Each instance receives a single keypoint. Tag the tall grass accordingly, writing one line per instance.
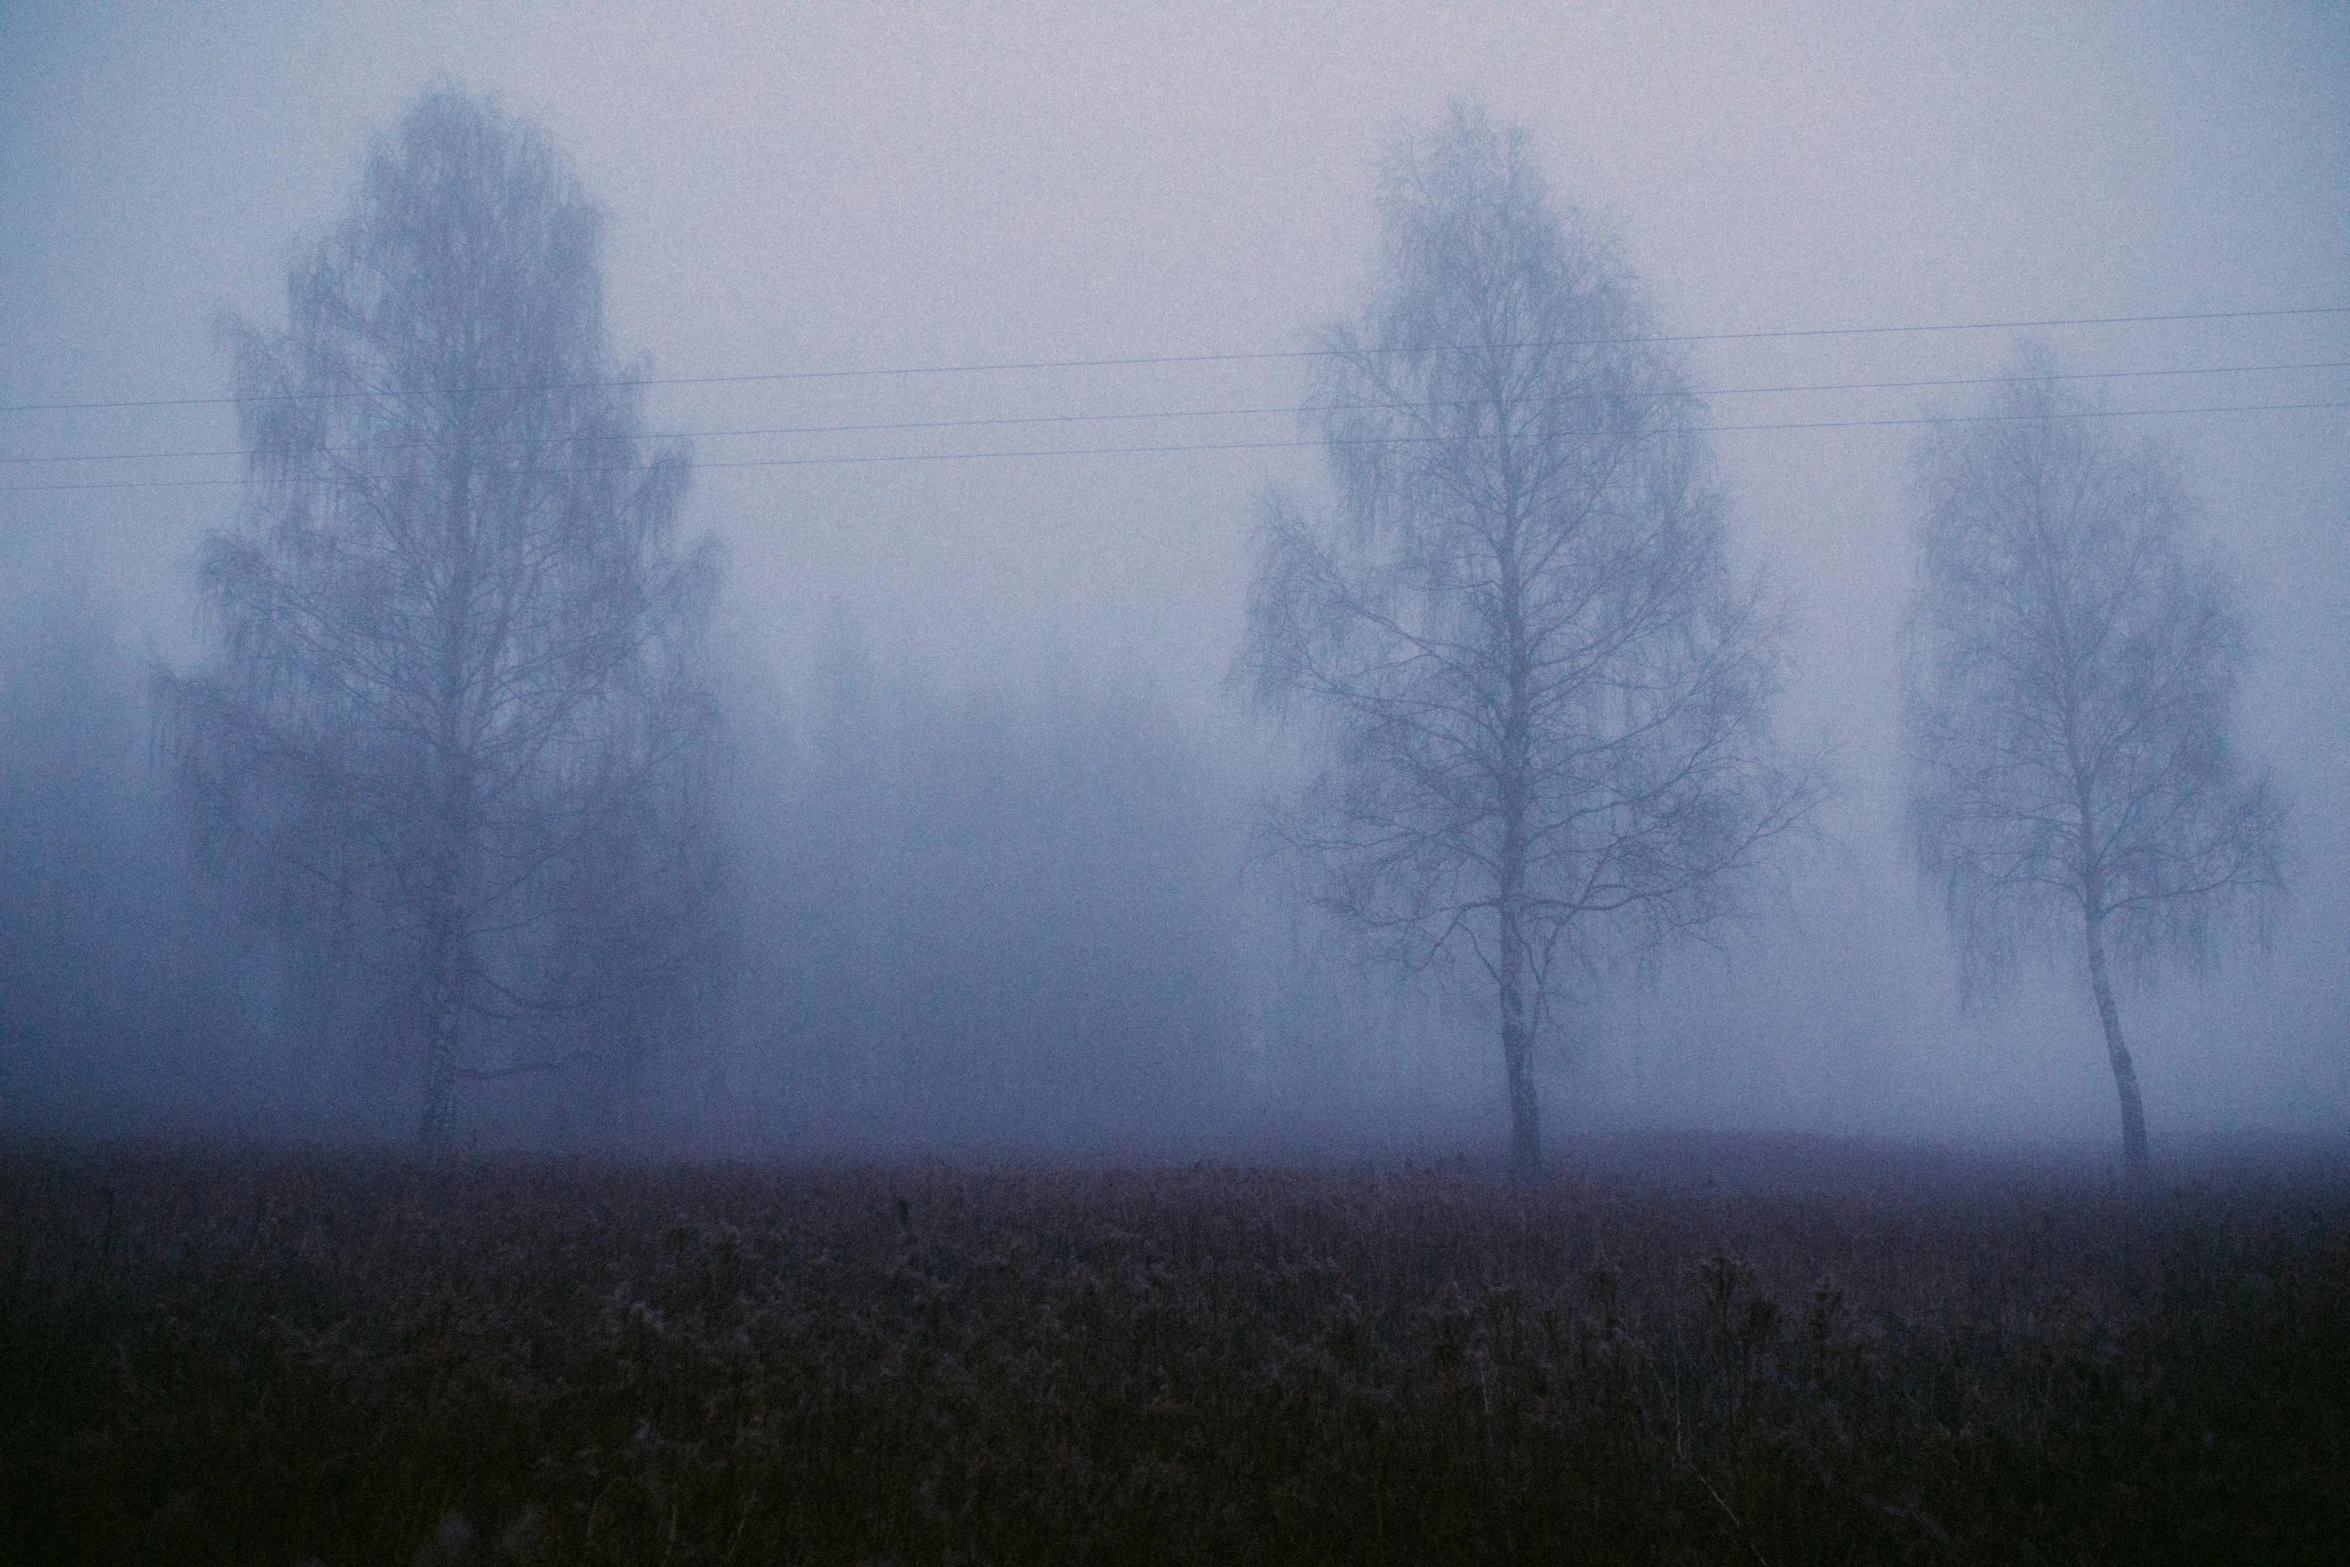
(212, 1355)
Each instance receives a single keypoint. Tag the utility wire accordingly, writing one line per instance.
(1293, 410)
(1220, 358)
(1250, 446)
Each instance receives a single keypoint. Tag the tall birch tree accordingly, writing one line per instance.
(1535, 692)
(456, 695)
(2070, 702)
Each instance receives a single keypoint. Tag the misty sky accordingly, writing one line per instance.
(890, 187)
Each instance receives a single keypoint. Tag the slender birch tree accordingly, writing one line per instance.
(1535, 691)
(457, 692)
(2070, 696)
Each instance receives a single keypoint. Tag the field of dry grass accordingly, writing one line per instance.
(273, 1357)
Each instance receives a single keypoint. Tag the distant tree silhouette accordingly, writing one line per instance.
(2070, 690)
(457, 690)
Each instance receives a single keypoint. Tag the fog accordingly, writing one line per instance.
(990, 802)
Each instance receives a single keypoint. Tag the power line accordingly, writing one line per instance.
(1247, 446)
(1136, 361)
(1291, 409)
(2085, 413)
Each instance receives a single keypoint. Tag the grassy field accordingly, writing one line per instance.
(273, 1357)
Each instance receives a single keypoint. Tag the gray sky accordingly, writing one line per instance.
(879, 187)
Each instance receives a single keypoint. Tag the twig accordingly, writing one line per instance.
(1735, 1521)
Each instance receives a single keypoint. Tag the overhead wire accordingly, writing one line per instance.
(1288, 409)
(903, 426)
(1240, 446)
(1777, 334)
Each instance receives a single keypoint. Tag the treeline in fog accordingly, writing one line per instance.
(1005, 916)
(464, 824)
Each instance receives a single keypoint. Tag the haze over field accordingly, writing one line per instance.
(985, 327)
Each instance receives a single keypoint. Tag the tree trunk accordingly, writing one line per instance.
(1517, 1050)
(1517, 1033)
(2125, 1074)
(447, 956)
(447, 961)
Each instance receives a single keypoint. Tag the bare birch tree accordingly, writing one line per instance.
(1538, 690)
(457, 688)
(2070, 689)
